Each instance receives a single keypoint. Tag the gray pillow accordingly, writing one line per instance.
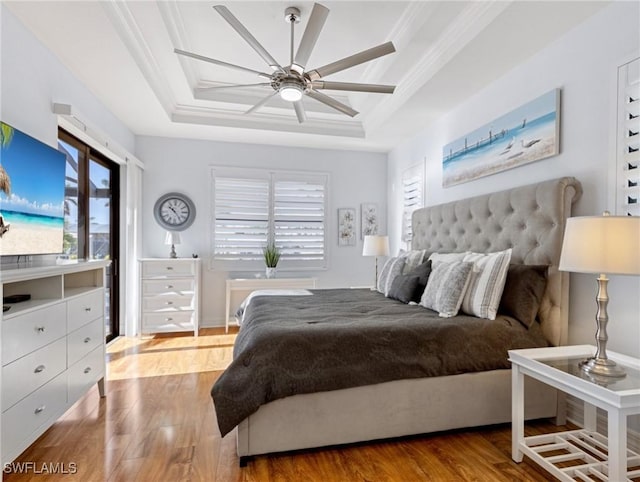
(404, 288)
(422, 272)
(446, 287)
(523, 292)
(391, 269)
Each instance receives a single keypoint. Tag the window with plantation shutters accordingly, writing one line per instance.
(628, 140)
(412, 198)
(253, 208)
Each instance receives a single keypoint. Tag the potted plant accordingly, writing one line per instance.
(271, 257)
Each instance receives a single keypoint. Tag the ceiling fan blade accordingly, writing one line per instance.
(300, 113)
(331, 102)
(318, 16)
(352, 61)
(231, 86)
(246, 35)
(261, 103)
(221, 63)
(353, 87)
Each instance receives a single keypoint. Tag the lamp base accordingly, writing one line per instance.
(602, 367)
(173, 254)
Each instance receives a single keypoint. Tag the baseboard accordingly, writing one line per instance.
(575, 415)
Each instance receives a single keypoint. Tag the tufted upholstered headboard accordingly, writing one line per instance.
(530, 219)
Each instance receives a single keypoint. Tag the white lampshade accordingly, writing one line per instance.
(376, 246)
(172, 237)
(602, 244)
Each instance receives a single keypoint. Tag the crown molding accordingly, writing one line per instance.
(475, 18)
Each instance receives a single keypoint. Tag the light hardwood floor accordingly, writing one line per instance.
(157, 423)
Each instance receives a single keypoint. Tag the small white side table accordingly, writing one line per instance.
(252, 284)
(589, 451)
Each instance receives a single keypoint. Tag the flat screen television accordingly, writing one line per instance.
(32, 183)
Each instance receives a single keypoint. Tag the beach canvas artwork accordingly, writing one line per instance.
(526, 134)
(31, 195)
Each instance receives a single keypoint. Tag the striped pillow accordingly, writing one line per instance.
(413, 259)
(391, 269)
(446, 287)
(487, 283)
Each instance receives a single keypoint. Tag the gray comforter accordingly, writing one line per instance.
(346, 338)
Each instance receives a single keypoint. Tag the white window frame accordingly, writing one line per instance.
(272, 176)
(412, 179)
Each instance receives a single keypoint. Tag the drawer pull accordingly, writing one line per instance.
(87, 339)
(87, 370)
(168, 319)
(40, 329)
(40, 409)
(169, 302)
(169, 287)
(170, 268)
(39, 369)
(87, 309)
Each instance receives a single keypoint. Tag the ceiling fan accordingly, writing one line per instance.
(294, 81)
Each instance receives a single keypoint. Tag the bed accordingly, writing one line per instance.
(529, 220)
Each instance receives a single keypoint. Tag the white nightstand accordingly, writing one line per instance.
(589, 451)
(170, 295)
(252, 284)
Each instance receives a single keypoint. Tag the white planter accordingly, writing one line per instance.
(271, 273)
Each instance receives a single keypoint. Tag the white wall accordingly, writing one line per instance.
(583, 64)
(185, 166)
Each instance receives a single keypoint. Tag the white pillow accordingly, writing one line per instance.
(437, 258)
(487, 283)
(391, 269)
(446, 287)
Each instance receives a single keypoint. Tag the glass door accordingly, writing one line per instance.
(92, 215)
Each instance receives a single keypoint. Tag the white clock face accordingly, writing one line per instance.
(174, 211)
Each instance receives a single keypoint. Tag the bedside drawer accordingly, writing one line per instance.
(30, 372)
(167, 303)
(85, 372)
(166, 268)
(166, 322)
(84, 339)
(26, 333)
(173, 286)
(42, 406)
(85, 308)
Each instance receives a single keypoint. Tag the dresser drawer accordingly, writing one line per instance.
(41, 407)
(26, 333)
(84, 339)
(168, 286)
(85, 372)
(167, 303)
(167, 268)
(167, 322)
(30, 372)
(85, 308)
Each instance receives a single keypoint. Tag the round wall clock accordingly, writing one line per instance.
(174, 211)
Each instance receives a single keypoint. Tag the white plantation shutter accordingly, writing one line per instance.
(241, 218)
(628, 156)
(299, 218)
(412, 198)
(254, 207)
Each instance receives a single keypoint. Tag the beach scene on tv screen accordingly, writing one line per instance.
(31, 195)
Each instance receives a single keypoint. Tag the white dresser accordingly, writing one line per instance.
(53, 347)
(170, 295)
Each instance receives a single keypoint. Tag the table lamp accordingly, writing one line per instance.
(376, 246)
(602, 244)
(171, 239)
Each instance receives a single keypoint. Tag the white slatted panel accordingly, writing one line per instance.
(412, 198)
(628, 165)
(241, 218)
(299, 218)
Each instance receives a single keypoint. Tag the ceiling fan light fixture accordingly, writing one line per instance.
(290, 91)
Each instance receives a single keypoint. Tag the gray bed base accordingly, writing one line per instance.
(529, 219)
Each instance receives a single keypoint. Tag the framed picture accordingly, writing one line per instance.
(526, 134)
(346, 227)
(368, 219)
